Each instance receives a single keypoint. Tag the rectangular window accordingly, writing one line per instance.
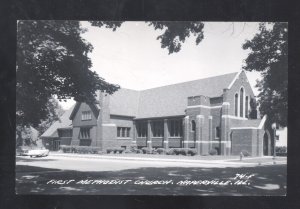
(175, 128)
(142, 129)
(84, 133)
(86, 115)
(158, 128)
(123, 132)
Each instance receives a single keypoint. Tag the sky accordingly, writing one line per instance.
(132, 57)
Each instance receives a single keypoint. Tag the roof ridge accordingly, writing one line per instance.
(190, 81)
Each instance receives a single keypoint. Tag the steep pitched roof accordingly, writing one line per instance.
(94, 107)
(171, 100)
(124, 102)
(64, 122)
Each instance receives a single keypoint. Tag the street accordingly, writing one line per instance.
(69, 175)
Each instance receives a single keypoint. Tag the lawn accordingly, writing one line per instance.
(267, 180)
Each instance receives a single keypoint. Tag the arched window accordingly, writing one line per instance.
(193, 125)
(218, 132)
(236, 101)
(242, 102)
(246, 107)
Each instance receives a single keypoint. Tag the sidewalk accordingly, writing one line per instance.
(266, 160)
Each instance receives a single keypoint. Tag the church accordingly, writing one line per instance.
(205, 114)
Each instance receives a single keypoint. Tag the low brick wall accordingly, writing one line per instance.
(141, 142)
(157, 142)
(116, 143)
(175, 142)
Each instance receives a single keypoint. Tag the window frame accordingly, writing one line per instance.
(175, 128)
(86, 115)
(142, 129)
(157, 128)
(85, 133)
(123, 132)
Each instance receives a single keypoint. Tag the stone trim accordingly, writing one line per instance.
(262, 122)
(236, 128)
(204, 106)
(235, 78)
(234, 117)
(108, 124)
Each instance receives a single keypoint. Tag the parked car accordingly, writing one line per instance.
(21, 150)
(32, 152)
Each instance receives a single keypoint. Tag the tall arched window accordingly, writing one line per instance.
(242, 102)
(236, 101)
(193, 125)
(246, 107)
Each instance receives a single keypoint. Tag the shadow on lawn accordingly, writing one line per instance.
(268, 180)
(32, 159)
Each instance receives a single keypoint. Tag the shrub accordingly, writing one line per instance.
(192, 152)
(281, 149)
(139, 151)
(245, 153)
(213, 152)
(170, 152)
(66, 148)
(160, 150)
(147, 150)
(177, 151)
(133, 148)
(115, 150)
(81, 149)
(181, 151)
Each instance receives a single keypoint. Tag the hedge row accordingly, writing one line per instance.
(171, 151)
(115, 150)
(281, 151)
(80, 149)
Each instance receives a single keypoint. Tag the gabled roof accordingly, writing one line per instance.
(64, 122)
(94, 107)
(171, 100)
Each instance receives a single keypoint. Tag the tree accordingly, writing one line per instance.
(174, 32)
(54, 110)
(253, 109)
(269, 56)
(52, 60)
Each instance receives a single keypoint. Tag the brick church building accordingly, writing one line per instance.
(210, 113)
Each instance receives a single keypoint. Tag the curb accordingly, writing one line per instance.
(164, 160)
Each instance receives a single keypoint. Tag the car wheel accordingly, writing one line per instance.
(30, 155)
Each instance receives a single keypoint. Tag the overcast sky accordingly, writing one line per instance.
(133, 58)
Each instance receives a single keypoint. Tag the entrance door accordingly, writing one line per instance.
(265, 144)
(56, 144)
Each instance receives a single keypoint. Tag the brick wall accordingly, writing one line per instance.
(242, 139)
(241, 81)
(77, 118)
